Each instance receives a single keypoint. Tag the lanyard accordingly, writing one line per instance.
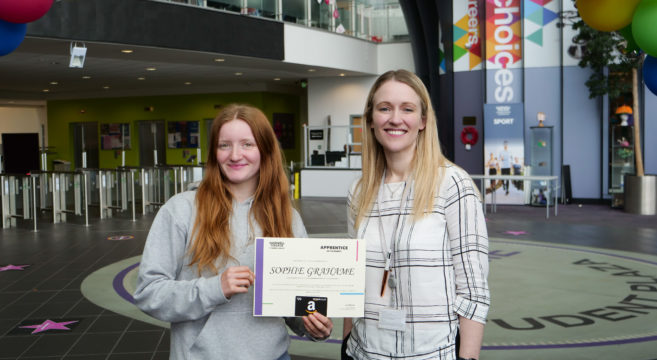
(387, 252)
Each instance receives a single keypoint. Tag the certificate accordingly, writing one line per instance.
(299, 276)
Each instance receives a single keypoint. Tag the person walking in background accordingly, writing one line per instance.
(196, 269)
(505, 165)
(427, 244)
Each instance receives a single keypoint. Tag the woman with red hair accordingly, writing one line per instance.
(196, 270)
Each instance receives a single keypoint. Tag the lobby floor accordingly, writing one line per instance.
(51, 265)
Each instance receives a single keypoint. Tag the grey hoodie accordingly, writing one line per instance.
(204, 324)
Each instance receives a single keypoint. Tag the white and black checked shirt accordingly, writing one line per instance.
(441, 267)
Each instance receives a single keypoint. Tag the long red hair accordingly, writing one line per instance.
(271, 208)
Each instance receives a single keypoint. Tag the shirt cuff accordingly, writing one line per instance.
(472, 310)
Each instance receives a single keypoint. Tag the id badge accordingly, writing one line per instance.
(392, 319)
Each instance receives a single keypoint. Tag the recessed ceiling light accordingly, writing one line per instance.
(12, 102)
(106, 87)
(238, 74)
(187, 83)
(141, 78)
(45, 90)
(151, 69)
(126, 51)
(277, 79)
(311, 70)
(341, 74)
(219, 60)
(86, 77)
(54, 83)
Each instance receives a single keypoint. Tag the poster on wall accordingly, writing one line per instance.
(115, 136)
(504, 151)
(504, 76)
(542, 35)
(467, 35)
(183, 134)
(503, 34)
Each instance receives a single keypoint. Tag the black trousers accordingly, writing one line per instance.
(343, 350)
(505, 183)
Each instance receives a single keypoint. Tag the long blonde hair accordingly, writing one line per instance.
(271, 208)
(427, 163)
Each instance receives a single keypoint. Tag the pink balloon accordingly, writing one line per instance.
(23, 11)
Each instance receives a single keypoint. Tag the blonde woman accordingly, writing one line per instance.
(196, 270)
(427, 244)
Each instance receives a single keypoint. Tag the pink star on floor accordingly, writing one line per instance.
(48, 325)
(13, 267)
(516, 233)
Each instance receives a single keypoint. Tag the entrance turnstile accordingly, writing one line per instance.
(158, 184)
(18, 199)
(69, 195)
(117, 191)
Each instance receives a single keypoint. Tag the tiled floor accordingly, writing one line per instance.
(60, 256)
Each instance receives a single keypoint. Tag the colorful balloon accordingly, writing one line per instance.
(650, 73)
(11, 35)
(23, 11)
(644, 26)
(607, 15)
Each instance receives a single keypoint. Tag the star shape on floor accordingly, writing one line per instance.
(48, 325)
(13, 267)
(516, 233)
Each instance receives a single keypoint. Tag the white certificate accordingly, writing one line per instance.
(298, 276)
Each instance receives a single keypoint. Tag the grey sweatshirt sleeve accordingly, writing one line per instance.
(161, 291)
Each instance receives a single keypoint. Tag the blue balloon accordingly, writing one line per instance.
(11, 35)
(650, 73)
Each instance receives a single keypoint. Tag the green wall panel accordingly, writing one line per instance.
(62, 113)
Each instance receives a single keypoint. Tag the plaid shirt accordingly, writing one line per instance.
(441, 267)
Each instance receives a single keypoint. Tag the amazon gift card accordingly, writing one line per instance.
(305, 305)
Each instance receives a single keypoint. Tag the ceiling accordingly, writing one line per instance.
(38, 70)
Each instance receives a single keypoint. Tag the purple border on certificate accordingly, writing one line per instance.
(259, 254)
